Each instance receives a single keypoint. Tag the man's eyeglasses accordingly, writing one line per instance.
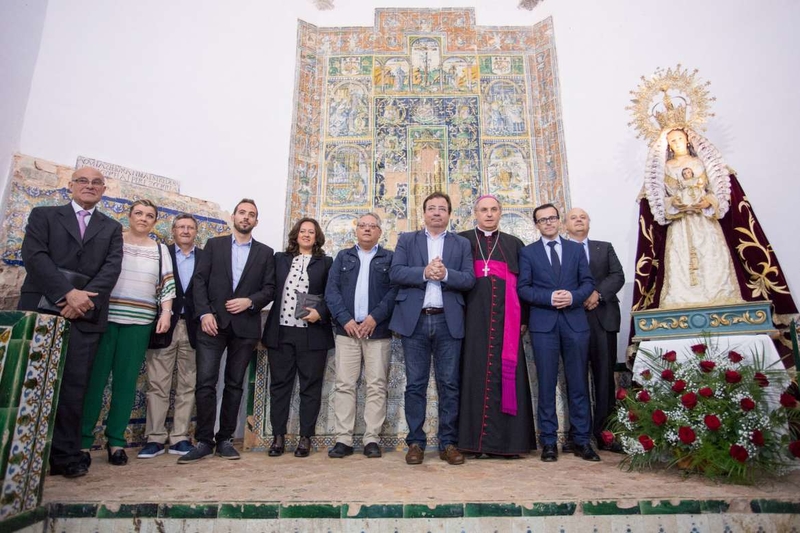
(547, 220)
(365, 225)
(83, 182)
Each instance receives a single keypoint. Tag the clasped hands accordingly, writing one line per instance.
(691, 208)
(360, 331)
(435, 271)
(561, 299)
(76, 304)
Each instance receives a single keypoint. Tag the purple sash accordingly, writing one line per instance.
(511, 332)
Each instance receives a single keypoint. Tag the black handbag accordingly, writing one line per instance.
(79, 281)
(159, 340)
(305, 300)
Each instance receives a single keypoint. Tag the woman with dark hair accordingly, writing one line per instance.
(145, 283)
(298, 343)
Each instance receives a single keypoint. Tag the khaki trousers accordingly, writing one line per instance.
(160, 366)
(349, 353)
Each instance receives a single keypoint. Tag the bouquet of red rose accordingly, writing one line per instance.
(712, 413)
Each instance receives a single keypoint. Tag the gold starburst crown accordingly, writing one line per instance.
(683, 103)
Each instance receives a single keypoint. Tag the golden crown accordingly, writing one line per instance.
(684, 102)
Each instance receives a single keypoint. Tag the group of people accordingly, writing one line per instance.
(460, 302)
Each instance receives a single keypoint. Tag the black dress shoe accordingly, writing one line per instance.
(278, 446)
(372, 450)
(117, 458)
(568, 446)
(303, 447)
(549, 453)
(340, 450)
(72, 470)
(586, 452)
(614, 447)
(86, 459)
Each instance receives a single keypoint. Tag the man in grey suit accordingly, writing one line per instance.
(79, 239)
(602, 311)
(432, 267)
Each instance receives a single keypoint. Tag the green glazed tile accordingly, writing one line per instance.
(550, 509)
(14, 368)
(665, 507)
(447, 510)
(10, 318)
(373, 511)
(714, 506)
(181, 510)
(775, 506)
(73, 510)
(608, 507)
(34, 517)
(310, 510)
(254, 511)
(128, 510)
(478, 510)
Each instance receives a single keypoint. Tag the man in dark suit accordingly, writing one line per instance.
(233, 281)
(179, 350)
(555, 280)
(602, 311)
(432, 267)
(75, 237)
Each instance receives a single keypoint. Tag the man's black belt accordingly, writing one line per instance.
(432, 310)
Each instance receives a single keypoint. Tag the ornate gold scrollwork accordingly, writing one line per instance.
(681, 322)
(760, 284)
(729, 319)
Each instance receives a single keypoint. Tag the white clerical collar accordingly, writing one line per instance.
(76, 208)
(487, 233)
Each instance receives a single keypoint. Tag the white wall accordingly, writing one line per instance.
(201, 91)
(21, 24)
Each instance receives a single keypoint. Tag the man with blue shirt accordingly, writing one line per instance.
(360, 298)
(181, 338)
(234, 279)
(432, 267)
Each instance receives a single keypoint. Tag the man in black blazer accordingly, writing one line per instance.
(78, 238)
(179, 349)
(234, 280)
(602, 311)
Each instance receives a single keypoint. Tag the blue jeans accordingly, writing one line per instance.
(432, 338)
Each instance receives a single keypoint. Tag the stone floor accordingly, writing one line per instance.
(356, 479)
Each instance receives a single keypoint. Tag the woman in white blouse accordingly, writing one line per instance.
(143, 285)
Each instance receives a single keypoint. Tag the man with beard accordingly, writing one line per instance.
(602, 311)
(496, 416)
(233, 281)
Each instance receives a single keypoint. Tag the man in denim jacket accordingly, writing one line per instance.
(361, 299)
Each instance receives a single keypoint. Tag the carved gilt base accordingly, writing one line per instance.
(737, 319)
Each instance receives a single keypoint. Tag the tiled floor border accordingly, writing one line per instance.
(278, 510)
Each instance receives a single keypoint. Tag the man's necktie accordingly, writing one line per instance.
(82, 221)
(555, 262)
(586, 249)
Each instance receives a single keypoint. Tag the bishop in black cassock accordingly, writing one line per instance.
(496, 415)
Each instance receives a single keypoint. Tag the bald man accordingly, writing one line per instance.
(602, 311)
(62, 242)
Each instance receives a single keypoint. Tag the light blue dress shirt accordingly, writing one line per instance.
(185, 264)
(362, 284)
(433, 289)
(239, 255)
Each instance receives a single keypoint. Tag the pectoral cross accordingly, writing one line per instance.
(485, 270)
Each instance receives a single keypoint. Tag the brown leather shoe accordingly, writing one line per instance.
(415, 455)
(451, 455)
